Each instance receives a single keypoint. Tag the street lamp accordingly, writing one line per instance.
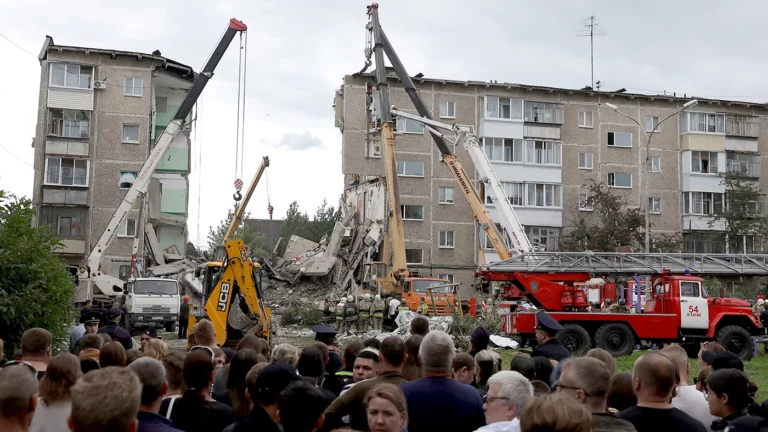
(648, 138)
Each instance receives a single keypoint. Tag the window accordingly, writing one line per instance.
(130, 133)
(66, 171)
(515, 193)
(69, 123)
(412, 212)
(703, 123)
(374, 149)
(704, 162)
(689, 289)
(67, 222)
(619, 139)
(69, 75)
(127, 228)
(414, 256)
(543, 152)
(747, 126)
(445, 239)
(652, 123)
(620, 180)
(585, 202)
(126, 179)
(543, 238)
(503, 149)
(133, 87)
(743, 164)
(654, 205)
(697, 242)
(585, 160)
(654, 164)
(503, 108)
(123, 271)
(544, 195)
(703, 203)
(448, 109)
(585, 119)
(448, 277)
(445, 195)
(409, 126)
(540, 112)
(410, 168)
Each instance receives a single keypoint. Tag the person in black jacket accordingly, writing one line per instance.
(546, 334)
(183, 318)
(729, 396)
(114, 330)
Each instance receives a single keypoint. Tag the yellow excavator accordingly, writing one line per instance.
(232, 295)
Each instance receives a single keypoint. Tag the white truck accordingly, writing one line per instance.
(151, 302)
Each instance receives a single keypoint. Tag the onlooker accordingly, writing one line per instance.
(653, 380)
(113, 329)
(234, 395)
(461, 406)
(264, 387)
(157, 349)
(729, 396)
(701, 379)
(36, 345)
(151, 374)
(87, 365)
(55, 400)
(488, 363)
(605, 357)
(328, 381)
(352, 402)
(105, 400)
(113, 354)
(89, 346)
(184, 317)
(713, 347)
(393, 304)
(540, 388)
(196, 410)
(205, 334)
(147, 336)
(372, 343)
(464, 368)
(586, 380)
(366, 365)
(174, 376)
(412, 369)
(105, 337)
(219, 358)
(420, 326)
(478, 341)
(688, 399)
(327, 335)
(524, 365)
(543, 369)
(249, 341)
(132, 355)
(300, 407)
(18, 396)
(621, 395)
(285, 353)
(351, 351)
(508, 393)
(386, 409)
(555, 413)
(723, 360)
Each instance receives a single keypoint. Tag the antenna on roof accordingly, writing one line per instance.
(593, 29)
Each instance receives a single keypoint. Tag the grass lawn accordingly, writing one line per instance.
(756, 369)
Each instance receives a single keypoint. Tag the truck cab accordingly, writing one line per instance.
(416, 288)
(151, 302)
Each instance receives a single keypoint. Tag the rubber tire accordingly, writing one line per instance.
(729, 332)
(171, 327)
(575, 330)
(605, 331)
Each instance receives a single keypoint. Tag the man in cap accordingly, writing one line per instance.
(327, 335)
(148, 335)
(724, 360)
(350, 313)
(478, 341)
(183, 318)
(89, 321)
(262, 391)
(378, 312)
(114, 330)
(546, 332)
(364, 313)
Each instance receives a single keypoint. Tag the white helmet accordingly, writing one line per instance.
(367, 296)
(378, 297)
(350, 298)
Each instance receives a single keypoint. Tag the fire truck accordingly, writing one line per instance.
(677, 308)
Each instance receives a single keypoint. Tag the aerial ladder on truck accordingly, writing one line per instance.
(91, 270)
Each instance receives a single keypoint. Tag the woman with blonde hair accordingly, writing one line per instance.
(556, 413)
(55, 402)
(605, 357)
(488, 363)
(386, 409)
(156, 348)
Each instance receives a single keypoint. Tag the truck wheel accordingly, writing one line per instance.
(616, 338)
(737, 340)
(575, 339)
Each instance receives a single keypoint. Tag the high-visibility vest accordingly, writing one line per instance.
(423, 308)
(403, 307)
(365, 309)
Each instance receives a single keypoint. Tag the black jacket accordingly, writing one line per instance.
(118, 334)
(257, 420)
(551, 349)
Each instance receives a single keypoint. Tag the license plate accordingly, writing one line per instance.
(157, 318)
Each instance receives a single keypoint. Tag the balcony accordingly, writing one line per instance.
(742, 126)
(743, 164)
(541, 112)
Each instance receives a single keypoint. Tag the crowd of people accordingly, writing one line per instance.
(418, 384)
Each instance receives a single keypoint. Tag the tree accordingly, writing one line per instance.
(36, 288)
(612, 224)
(297, 222)
(252, 239)
(743, 213)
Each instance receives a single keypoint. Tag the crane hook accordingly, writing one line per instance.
(237, 196)
(238, 187)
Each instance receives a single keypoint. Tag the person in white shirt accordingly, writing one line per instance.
(393, 304)
(508, 393)
(688, 399)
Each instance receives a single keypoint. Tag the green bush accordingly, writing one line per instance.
(466, 324)
(305, 314)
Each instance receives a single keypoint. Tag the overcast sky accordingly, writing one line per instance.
(299, 51)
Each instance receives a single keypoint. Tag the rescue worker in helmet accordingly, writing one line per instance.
(364, 313)
(423, 308)
(340, 316)
(350, 313)
(378, 312)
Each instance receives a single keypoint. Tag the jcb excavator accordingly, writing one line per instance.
(234, 276)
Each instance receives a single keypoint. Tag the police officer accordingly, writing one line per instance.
(423, 308)
(147, 336)
(546, 332)
(340, 316)
(350, 313)
(114, 330)
(364, 313)
(90, 320)
(378, 312)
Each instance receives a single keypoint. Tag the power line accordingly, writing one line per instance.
(17, 45)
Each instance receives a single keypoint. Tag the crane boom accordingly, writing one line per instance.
(91, 269)
(237, 219)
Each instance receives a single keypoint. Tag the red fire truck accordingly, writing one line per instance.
(678, 307)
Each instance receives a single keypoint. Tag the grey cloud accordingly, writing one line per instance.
(305, 141)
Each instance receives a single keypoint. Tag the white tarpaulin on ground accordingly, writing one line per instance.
(503, 342)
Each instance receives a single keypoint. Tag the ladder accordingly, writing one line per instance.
(630, 264)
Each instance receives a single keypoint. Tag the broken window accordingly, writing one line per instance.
(69, 123)
(619, 139)
(412, 212)
(620, 180)
(67, 222)
(126, 179)
(414, 256)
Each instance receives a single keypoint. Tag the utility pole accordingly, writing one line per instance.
(593, 29)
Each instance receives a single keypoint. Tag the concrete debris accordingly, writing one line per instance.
(154, 244)
(298, 246)
(171, 250)
(169, 269)
(169, 258)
